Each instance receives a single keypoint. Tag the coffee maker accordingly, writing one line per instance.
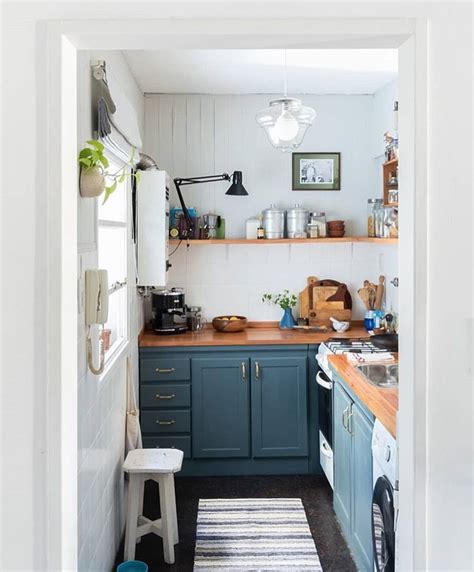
(169, 312)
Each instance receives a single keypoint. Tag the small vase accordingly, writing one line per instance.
(287, 321)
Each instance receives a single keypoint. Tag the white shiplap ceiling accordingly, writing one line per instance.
(261, 71)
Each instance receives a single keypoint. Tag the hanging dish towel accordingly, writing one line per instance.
(133, 436)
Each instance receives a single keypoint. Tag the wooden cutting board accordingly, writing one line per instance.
(306, 297)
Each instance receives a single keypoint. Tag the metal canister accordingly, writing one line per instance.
(297, 222)
(274, 222)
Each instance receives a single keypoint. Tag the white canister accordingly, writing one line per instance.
(251, 228)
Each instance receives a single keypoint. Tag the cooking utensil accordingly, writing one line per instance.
(380, 291)
(329, 282)
(387, 342)
(364, 296)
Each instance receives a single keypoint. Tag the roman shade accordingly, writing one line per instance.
(117, 125)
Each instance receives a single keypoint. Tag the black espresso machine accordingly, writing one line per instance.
(169, 312)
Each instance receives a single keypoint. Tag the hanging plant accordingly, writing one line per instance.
(94, 171)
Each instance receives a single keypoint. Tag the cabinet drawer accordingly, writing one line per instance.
(166, 421)
(171, 442)
(165, 395)
(165, 369)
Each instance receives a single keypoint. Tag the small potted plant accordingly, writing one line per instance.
(286, 301)
(94, 173)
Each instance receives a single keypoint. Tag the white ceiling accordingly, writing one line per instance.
(262, 71)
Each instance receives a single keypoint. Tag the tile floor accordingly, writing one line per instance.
(313, 490)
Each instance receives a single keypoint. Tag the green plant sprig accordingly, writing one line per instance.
(93, 157)
(284, 299)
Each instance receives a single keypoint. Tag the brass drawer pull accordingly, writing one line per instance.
(172, 422)
(159, 396)
(243, 371)
(165, 370)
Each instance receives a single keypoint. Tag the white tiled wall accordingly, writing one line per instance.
(230, 279)
(101, 399)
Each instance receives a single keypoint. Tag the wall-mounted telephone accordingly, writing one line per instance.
(97, 311)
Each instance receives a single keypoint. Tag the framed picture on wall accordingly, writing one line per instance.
(316, 172)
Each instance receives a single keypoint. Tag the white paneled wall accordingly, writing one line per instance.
(204, 134)
(101, 399)
(230, 279)
(194, 135)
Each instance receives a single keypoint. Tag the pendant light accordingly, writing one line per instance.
(285, 120)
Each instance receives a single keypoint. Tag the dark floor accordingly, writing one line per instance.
(314, 491)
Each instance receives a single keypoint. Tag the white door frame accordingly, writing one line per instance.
(60, 179)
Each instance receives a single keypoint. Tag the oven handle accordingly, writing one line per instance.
(322, 382)
(326, 451)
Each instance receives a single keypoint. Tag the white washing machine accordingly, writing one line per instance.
(384, 498)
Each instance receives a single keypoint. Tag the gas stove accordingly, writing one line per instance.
(343, 346)
(354, 345)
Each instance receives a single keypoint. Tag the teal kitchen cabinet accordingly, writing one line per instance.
(220, 397)
(361, 428)
(353, 474)
(342, 457)
(233, 410)
(279, 407)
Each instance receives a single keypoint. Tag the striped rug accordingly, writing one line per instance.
(254, 534)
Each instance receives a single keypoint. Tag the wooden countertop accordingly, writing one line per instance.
(380, 401)
(252, 336)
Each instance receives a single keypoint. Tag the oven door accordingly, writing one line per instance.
(325, 405)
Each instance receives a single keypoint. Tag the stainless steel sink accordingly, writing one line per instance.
(381, 375)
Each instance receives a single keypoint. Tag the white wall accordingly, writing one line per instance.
(204, 134)
(101, 399)
(192, 135)
(448, 487)
(382, 120)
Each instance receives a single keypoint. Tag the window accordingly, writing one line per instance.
(113, 256)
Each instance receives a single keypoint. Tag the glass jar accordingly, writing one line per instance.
(371, 218)
(317, 220)
(379, 218)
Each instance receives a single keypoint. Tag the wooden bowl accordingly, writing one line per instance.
(226, 325)
(336, 224)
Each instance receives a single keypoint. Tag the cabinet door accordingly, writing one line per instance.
(220, 407)
(279, 407)
(342, 404)
(361, 429)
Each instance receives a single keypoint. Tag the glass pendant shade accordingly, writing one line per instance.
(285, 122)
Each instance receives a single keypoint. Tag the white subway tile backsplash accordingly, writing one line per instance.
(234, 280)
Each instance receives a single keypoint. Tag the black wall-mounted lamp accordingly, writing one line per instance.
(236, 189)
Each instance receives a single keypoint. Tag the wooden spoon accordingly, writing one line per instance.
(364, 296)
(380, 291)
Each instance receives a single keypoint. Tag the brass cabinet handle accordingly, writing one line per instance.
(257, 371)
(159, 396)
(172, 422)
(165, 370)
(243, 371)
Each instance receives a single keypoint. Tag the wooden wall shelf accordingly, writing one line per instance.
(206, 242)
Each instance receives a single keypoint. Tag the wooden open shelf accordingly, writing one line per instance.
(388, 167)
(326, 240)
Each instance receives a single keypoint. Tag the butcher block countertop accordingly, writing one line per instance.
(382, 402)
(254, 335)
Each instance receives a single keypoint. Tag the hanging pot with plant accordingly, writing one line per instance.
(94, 174)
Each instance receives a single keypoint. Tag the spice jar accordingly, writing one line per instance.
(317, 220)
(371, 218)
(379, 218)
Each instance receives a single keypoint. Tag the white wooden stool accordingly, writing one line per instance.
(158, 465)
